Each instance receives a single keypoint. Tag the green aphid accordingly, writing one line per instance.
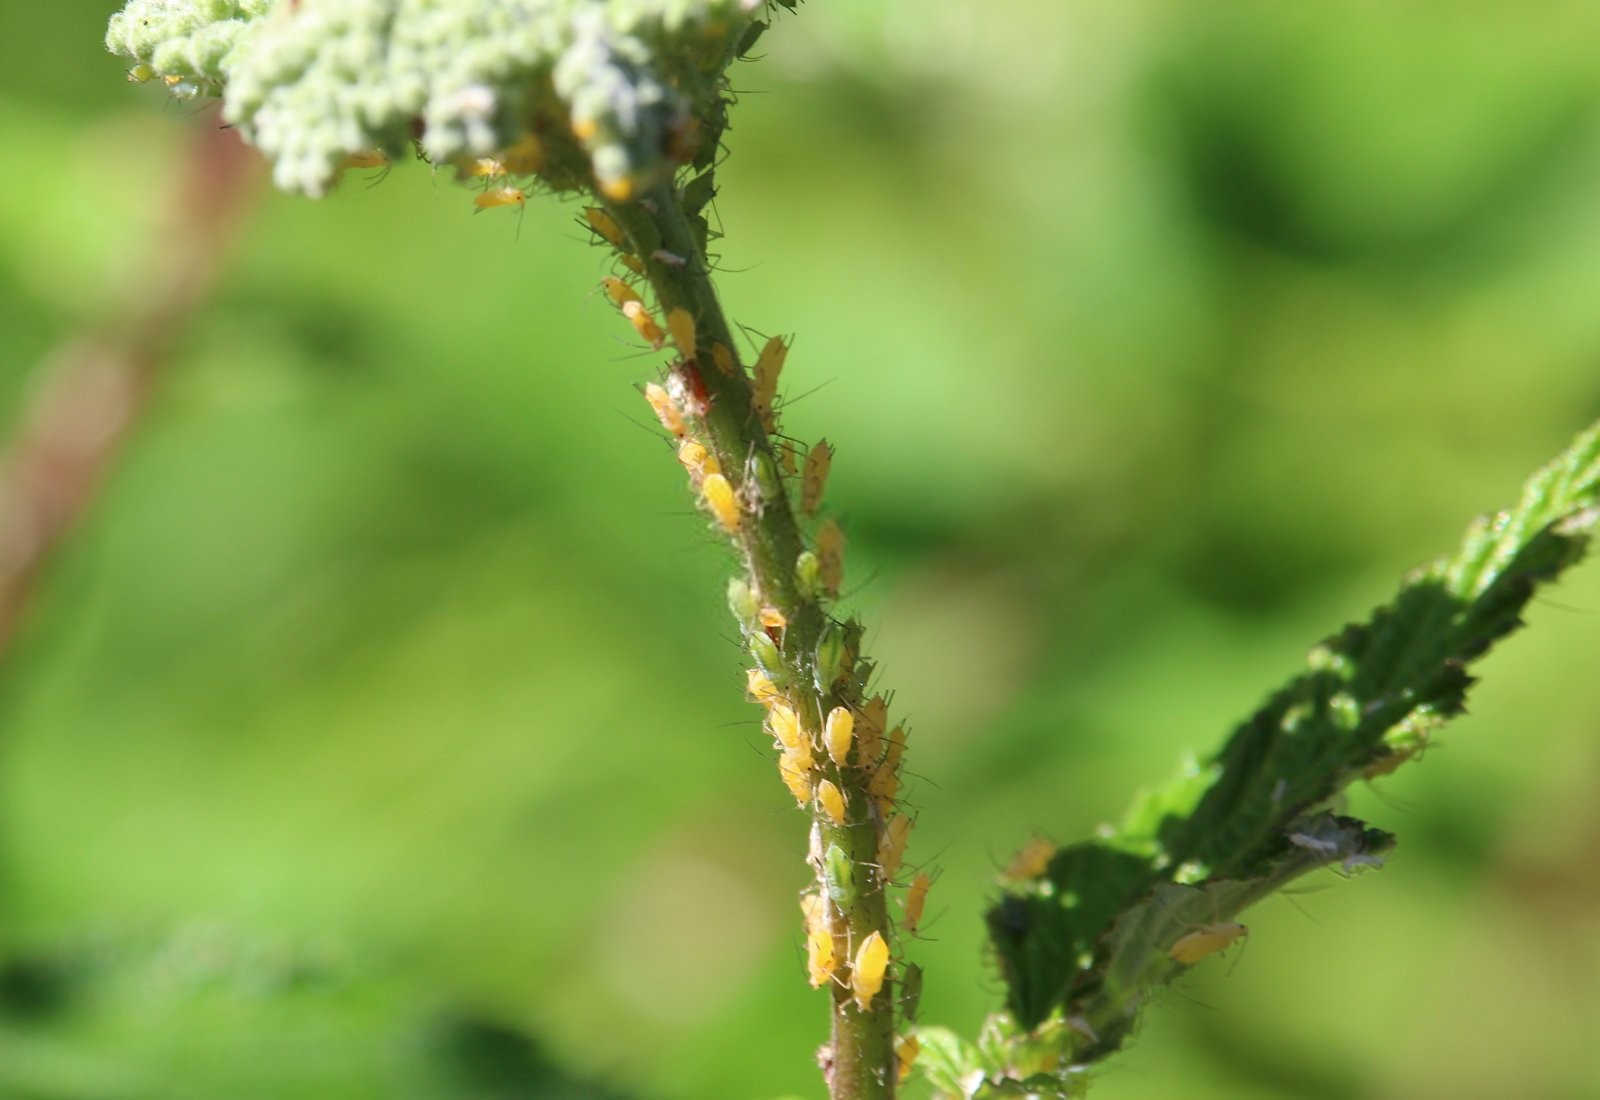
(838, 876)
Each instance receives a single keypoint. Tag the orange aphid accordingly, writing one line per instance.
(723, 502)
(837, 732)
(722, 356)
(773, 619)
(820, 960)
(681, 324)
(605, 225)
(769, 365)
(644, 324)
(786, 458)
(897, 749)
(831, 799)
(906, 1048)
(366, 158)
(916, 898)
(618, 291)
(501, 196)
(883, 786)
(666, 409)
(818, 462)
(632, 263)
(1208, 939)
(866, 975)
(893, 844)
(830, 557)
(869, 729)
(796, 775)
(1033, 860)
(761, 688)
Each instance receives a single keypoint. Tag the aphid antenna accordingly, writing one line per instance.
(1546, 601)
(1302, 910)
(866, 582)
(787, 401)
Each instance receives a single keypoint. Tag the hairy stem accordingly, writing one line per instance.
(859, 1063)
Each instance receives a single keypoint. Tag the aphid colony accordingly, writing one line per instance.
(840, 762)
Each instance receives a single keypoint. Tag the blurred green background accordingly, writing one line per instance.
(380, 733)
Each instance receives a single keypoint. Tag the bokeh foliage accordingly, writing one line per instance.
(370, 735)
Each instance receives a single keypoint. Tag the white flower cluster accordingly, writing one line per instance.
(311, 82)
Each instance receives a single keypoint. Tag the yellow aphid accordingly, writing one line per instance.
(525, 157)
(697, 461)
(866, 975)
(893, 844)
(1033, 860)
(501, 196)
(786, 459)
(681, 324)
(644, 324)
(761, 688)
(366, 158)
(720, 498)
(632, 263)
(906, 1048)
(837, 732)
(722, 356)
(605, 225)
(1208, 939)
(140, 73)
(916, 898)
(830, 557)
(773, 619)
(666, 409)
(785, 726)
(818, 462)
(832, 801)
(796, 776)
(814, 910)
(618, 291)
(172, 80)
(820, 961)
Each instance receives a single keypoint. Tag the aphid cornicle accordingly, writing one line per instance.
(1208, 939)
(831, 799)
(837, 732)
(818, 461)
(866, 974)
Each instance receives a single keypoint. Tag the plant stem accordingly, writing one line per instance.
(860, 1062)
